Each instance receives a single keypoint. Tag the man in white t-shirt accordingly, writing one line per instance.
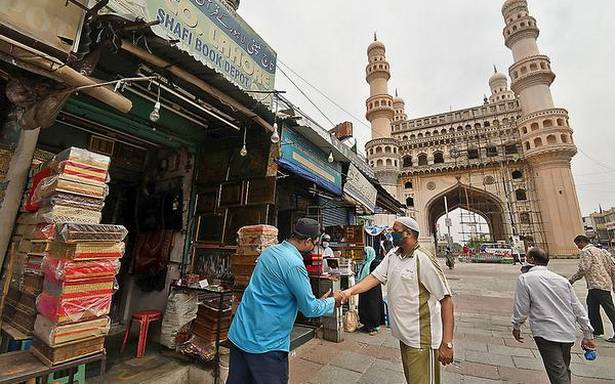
(421, 309)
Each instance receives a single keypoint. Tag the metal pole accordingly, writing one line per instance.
(448, 225)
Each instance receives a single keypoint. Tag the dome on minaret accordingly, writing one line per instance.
(375, 44)
(498, 77)
(398, 100)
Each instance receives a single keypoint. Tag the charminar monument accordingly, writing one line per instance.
(507, 160)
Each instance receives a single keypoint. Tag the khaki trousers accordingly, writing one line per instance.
(421, 366)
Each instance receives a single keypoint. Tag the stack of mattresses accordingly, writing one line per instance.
(252, 240)
(79, 269)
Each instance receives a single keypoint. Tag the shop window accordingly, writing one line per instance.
(521, 195)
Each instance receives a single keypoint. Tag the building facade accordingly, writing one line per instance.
(507, 160)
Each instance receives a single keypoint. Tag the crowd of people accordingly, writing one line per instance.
(419, 303)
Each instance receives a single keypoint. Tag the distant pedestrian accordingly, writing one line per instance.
(371, 306)
(599, 272)
(553, 309)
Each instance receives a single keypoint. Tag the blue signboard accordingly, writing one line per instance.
(305, 159)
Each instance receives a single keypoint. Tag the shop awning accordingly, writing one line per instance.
(387, 202)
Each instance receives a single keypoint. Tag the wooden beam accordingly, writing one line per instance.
(190, 78)
(58, 70)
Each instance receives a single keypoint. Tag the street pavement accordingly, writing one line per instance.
(485, 351)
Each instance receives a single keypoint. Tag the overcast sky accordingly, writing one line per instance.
(442, 54)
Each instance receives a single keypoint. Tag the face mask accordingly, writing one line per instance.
(397, 238)
(325, 244)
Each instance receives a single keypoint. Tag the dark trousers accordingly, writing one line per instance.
(257, 368)
(556, 358)
(597, 298)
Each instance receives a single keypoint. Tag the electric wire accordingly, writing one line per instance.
(359, 120)
(306, 96)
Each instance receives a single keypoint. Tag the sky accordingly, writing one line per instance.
(442, 55)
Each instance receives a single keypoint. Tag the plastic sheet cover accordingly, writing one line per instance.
(57, 270)
(75, 232)
(69, 310)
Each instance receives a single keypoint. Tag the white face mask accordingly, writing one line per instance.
(325, 244)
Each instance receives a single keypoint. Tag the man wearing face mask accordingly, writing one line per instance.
(421, 309)
(278, 288)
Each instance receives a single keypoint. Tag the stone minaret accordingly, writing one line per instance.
(499, 88)
(545, 131)
(382, 150)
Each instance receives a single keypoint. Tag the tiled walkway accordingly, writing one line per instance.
(485, 350)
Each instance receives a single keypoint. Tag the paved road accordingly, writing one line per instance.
(485, 351)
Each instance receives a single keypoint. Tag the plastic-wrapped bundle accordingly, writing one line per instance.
(255, 238)
(75, 232)
(80, 251)
(74, 201)
(63, 310)
(53, 334)
(82, 156)
(46, 186)
(62, 214)
(78, 288)
(181, 310)
(67, 270)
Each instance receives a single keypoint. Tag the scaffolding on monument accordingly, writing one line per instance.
(521, 217)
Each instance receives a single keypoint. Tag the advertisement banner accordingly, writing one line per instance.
(213, 34)
(360, 189)
(305, 159)
(55, 23)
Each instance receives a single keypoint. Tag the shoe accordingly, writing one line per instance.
(611, 340)
(597, 335)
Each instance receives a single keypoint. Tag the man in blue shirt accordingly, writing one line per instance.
(278, 288)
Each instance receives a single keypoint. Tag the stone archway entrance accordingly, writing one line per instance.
(471, 199)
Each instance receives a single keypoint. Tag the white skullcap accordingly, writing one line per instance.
(409, 223)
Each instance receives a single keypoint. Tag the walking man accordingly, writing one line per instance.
(599, 272)
(421, 309)
(260, 331)
(553, 308)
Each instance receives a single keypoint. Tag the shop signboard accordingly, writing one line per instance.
(310, 162)
(360, 189)
(53, 23)
(212, 33)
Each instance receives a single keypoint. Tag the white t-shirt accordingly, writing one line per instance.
(415, 285)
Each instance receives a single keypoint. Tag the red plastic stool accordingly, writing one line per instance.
(144, 318)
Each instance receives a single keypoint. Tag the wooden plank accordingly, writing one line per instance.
(16, 367)
(67, 352)
(14, 333)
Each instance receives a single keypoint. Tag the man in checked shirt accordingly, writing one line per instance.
(599, 272)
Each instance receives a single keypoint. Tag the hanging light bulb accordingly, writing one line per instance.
(275, 137)
(155, 115)
(244, 150)
(331, 159)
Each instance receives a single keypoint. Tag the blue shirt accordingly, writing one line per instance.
(279, 286)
